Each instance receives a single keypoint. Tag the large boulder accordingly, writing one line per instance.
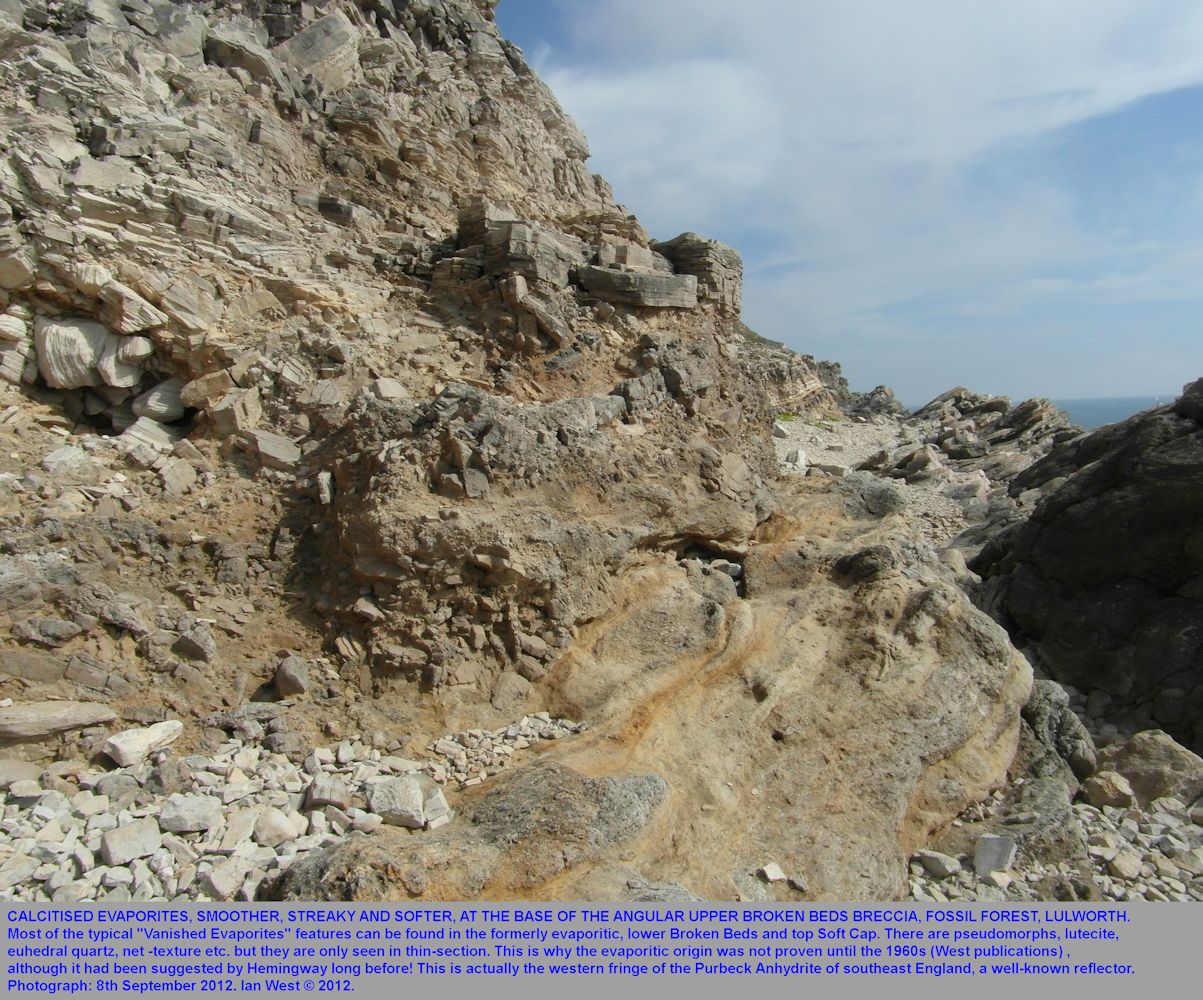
(73, 353)
(1105, 579)
(1155, 766)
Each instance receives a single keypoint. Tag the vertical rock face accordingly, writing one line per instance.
(1105, 579)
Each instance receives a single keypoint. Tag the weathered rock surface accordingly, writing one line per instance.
(1124, 620)
(134, 745)
(532, 826)
(40, 719)
(1155, 767)
(346, 418)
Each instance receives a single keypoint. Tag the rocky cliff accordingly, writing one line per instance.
(374, 487)
(1103, 580)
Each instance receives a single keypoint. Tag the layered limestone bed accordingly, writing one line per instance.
(384, 514)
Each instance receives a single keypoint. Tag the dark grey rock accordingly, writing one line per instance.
(641, 288)
(292, 677)
(1057, 727)
(1104, 580)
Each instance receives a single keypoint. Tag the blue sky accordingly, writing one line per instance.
(937, 192)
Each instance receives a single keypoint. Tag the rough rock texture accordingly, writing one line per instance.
(524, 831)
(1104, 580)
(341, 402)
(1155, 767)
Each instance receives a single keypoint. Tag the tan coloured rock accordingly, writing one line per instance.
(328, 50)
(1156, 766)
(69, 351)
(236, 412)
(128, 312)
(204, 391)
(36, 720)
(1108, 788)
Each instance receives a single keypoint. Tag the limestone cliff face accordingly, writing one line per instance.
(358, 362)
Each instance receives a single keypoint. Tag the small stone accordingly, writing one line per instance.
(85, 804)
(139, 839)
(162, 403)
(399, 764)
(365, 822)
(1108, 788)
(273, 828)
(276, 451)
(236, 412)
(190, 813)
(134, 745)
(1125, 865)
(389, 389)
(224, 880)
(17, 770)
(434, 805)
(64, 459)
(16, 870)
(328, 790)
(178, 476)
(37, 719)
(202, 392)
(292, 677)
(999, 880)
(25, 789)
(993, 853)
(240, 826)
(367, 608)
(398, 801)
(325, 488)
(938, 865)
(49, 632)
(772, 872)
(1190, 861)
(196, 643)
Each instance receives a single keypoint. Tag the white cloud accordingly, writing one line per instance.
(843, 142)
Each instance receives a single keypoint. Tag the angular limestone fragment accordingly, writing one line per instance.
(190, 813)
(134, 745)
(128, 311)
(399, 801)
(130, 842)
(236, 412)
(276, 451)
(17, 269)
(204, 391)
(327, 50)
(162, 403)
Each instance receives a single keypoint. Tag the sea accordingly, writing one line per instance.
(1091, 413)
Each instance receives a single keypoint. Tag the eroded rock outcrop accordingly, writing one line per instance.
(1103, 580)
(343, 402)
